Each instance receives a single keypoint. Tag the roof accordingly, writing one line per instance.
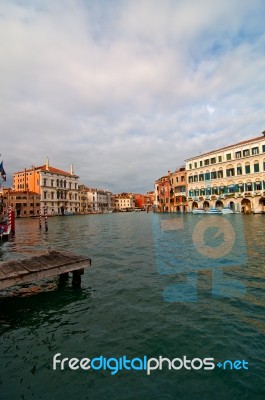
(53, 170)
(44, 169)
(228, 147)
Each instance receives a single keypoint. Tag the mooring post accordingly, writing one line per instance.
(11, 219)
(46, 218)
(76, 281)
(40, 218)
(63, 278)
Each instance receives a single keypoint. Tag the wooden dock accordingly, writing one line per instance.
(46, 265)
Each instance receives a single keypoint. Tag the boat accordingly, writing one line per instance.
(198, 211)
(5, 230)
(213, 211)
(7, 215)
(227, 210)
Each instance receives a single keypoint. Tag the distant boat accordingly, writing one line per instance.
(213, 211)
(198, 211)
(227, 210)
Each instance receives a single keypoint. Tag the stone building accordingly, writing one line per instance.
(232, 176)
(58, 189)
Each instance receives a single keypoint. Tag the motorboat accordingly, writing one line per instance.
(227, 210)
(198, 211)
(213, 211)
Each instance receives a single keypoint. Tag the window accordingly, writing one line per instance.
(247, 169)
(201, 177)
(239, 170)
(190, 166)
(195, 165)
(177, 179)
(44, 182)
(182, 178)
(238, 154)
(219, 158)
(230, 172)
(202, 164)
(195, 178)
(213, 160)
(220, 174)
(256, 167)
(263, 148)
(255, 150)
(214, 175)
(257, 186)
(246, 153)
(207, 176)
(228, 156)
(215, 190)
(263, 165)
(190, 179)
(206, 162)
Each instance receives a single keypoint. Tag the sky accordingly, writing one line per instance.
(127, 90)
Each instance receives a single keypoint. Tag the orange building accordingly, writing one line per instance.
(24, 203)
(170, 192)
(144, 201)
(58, 189)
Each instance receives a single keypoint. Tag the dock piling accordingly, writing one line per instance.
(46, 218)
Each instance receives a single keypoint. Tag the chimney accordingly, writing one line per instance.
(263, 133)
(72, 169)
(47, 164)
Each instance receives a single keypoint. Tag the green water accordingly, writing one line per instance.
(120, 311)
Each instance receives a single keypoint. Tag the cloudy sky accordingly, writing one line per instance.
(126, 90)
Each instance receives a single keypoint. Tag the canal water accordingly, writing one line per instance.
(151, 291)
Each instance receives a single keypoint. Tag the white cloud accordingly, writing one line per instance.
(127, 90)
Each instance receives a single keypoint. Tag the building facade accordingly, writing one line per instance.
(144, 201)
(123, 202)
(58, 189)
(94, 200)
(171, 192)
(24, 203)
(232, 176)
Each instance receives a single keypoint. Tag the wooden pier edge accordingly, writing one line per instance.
(46, 265)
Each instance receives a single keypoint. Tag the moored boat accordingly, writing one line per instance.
(198, 211)
(213, 211)
(227, 210)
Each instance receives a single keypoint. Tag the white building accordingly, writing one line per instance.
(58, 189)
(231, 176)
(94, 200)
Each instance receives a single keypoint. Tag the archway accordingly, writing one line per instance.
(262, 203)
(232, 205)
(245, 206)
(219, 205)
(206, 205)
(194, 205)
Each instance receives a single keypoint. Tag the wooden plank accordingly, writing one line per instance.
(2, 274)
(39, 267)
(35, 276)
(32, 265)
(8, 271)
(16, 266)
(55, 260)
